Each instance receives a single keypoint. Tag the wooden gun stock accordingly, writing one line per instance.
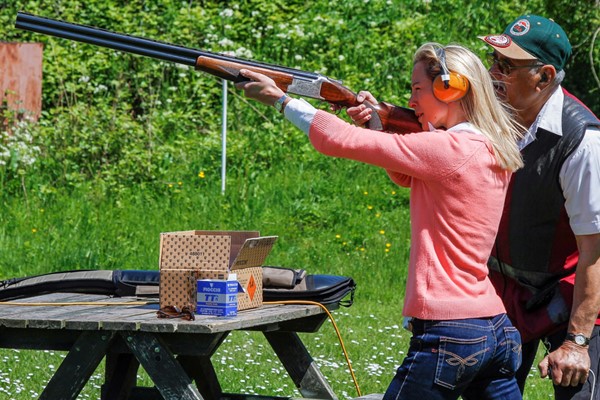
(390, 118)
(385, 117)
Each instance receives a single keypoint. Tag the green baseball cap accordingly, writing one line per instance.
(531, 37)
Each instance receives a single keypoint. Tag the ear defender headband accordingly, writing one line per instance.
(449, 86)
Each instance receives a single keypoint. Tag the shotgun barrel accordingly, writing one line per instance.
(134, 44)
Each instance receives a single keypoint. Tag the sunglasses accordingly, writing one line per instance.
(506, 67)
(186, 313)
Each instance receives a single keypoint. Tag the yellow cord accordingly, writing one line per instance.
(337, 331)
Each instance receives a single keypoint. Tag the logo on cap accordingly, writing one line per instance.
(498, 40)
(520, 27)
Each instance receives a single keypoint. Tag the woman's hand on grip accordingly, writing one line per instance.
(361, 114)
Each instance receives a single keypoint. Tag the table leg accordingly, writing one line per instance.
(77, 367)
(120, 376)
(201, 370)
(300, 366)
(168, 375)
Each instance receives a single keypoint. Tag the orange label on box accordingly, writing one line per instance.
(251, 287)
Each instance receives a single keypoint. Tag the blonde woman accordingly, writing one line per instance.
(458, 169)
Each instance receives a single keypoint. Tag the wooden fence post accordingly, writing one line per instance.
(21, 79)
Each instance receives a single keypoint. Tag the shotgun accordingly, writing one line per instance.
(386, 117)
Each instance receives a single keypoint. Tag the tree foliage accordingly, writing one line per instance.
(118, 118)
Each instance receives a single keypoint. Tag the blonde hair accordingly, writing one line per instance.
(481, 105)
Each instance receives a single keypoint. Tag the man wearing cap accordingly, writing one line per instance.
(546, 261)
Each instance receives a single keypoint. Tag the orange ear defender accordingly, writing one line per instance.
(449, 86)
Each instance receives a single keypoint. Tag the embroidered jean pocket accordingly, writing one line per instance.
(459, 360)
(511, 346)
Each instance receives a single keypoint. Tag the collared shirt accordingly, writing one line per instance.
(465, 127)
(300, 113)
(580, 174)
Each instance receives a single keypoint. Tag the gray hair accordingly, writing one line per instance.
(560, 75)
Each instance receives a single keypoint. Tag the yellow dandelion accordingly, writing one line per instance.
(388, 245)
(338, 236)
(362, 249)
(378, 215)
(387, 250)
(393, 192)
(344, 243)
(33, 230)
(170, 185)
(180, 183)
(382, 232)
(201, 174)
(366, 193)
(370, 207)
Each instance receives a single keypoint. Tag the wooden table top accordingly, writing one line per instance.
(85, 312)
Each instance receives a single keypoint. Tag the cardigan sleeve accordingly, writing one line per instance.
(424, 155)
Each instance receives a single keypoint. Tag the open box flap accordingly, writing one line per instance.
(253, 252)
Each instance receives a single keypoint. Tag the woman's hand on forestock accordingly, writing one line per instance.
(361, 114)
(260, 87)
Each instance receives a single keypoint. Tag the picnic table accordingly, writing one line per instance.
(176, 354)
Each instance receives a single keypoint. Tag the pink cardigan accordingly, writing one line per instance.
(457, 196)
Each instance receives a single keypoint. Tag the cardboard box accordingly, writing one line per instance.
(212, 255)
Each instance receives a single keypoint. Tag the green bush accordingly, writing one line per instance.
(122, 119)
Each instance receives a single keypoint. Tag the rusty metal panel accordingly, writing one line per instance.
(21, 76)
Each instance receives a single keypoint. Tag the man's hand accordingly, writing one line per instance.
(568, 365)
(361, 113)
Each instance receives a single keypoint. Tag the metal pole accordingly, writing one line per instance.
(223, 137)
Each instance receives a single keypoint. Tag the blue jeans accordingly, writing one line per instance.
(475, 358)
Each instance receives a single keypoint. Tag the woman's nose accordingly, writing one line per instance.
(411, 102)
